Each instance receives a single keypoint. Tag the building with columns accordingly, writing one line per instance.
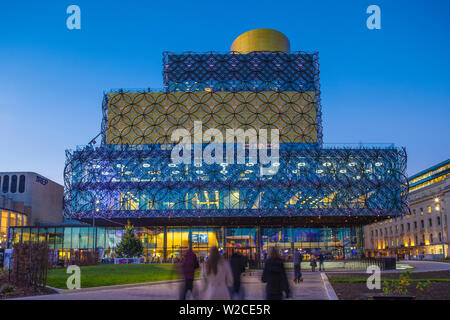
(424, 231)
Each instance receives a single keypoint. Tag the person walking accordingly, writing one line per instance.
(274, 275)
(298, 258)
(321, 262)
(188, 266)
(217, 277)
(237, 263)
(313, 264)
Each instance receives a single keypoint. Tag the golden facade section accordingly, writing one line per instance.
(151, 117)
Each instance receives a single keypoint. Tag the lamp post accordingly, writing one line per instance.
(96, 209)
(438, 208)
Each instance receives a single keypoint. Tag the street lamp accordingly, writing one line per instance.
(436, 200)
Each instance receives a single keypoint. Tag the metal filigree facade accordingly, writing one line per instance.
(151, 117)
(131, 175)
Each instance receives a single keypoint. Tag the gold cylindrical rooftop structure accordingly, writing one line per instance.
(261, 40)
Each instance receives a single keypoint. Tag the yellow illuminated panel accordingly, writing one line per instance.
(4, 225)
(422, 185)
(151, 118)
(430, 173)
(12, 219)
(179, 240)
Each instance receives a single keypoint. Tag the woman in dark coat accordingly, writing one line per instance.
(275, 277)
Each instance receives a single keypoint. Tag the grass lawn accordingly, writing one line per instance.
(113, 274)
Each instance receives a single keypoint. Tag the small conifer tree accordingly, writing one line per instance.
(129, 246)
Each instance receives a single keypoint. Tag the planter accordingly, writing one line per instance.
(383, 296)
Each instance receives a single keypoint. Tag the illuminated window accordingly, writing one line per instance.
(12, 219)
(4, 222)
(429, 209)
(421, 210)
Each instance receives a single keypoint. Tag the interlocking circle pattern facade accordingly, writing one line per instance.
(151, 117)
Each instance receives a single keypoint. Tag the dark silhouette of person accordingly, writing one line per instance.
(313, 264)
(298, 258)
(274, 275)
(237, 263)
(321, 260)
(188, 266)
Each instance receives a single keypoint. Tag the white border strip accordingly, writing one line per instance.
(331, 294)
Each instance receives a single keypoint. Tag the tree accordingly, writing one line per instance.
(129, 246)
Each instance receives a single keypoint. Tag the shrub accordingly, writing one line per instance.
(401, 287)
(3, 275)
(83, 258)
(7, 288)
(29, 264)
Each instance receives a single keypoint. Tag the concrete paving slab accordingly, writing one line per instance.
(312, 288)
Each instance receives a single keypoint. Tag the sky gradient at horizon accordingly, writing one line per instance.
(377, 86)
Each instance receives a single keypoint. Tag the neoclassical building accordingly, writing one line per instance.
(424, 230)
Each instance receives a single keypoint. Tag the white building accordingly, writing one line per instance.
(425, 230)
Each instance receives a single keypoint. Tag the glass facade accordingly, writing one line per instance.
(8, 219)
(168, 244)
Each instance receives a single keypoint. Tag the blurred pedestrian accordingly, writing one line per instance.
(274, 275)
(313, 264)
(298, 258)
(321, 264)
(237, 263)
(188, 266)
(216, 276)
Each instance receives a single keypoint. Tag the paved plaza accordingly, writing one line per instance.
(426, 266)
(312, 288)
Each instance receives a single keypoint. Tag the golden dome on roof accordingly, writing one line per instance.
(261, 40)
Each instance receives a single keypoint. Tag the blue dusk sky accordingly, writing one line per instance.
(390, 85)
